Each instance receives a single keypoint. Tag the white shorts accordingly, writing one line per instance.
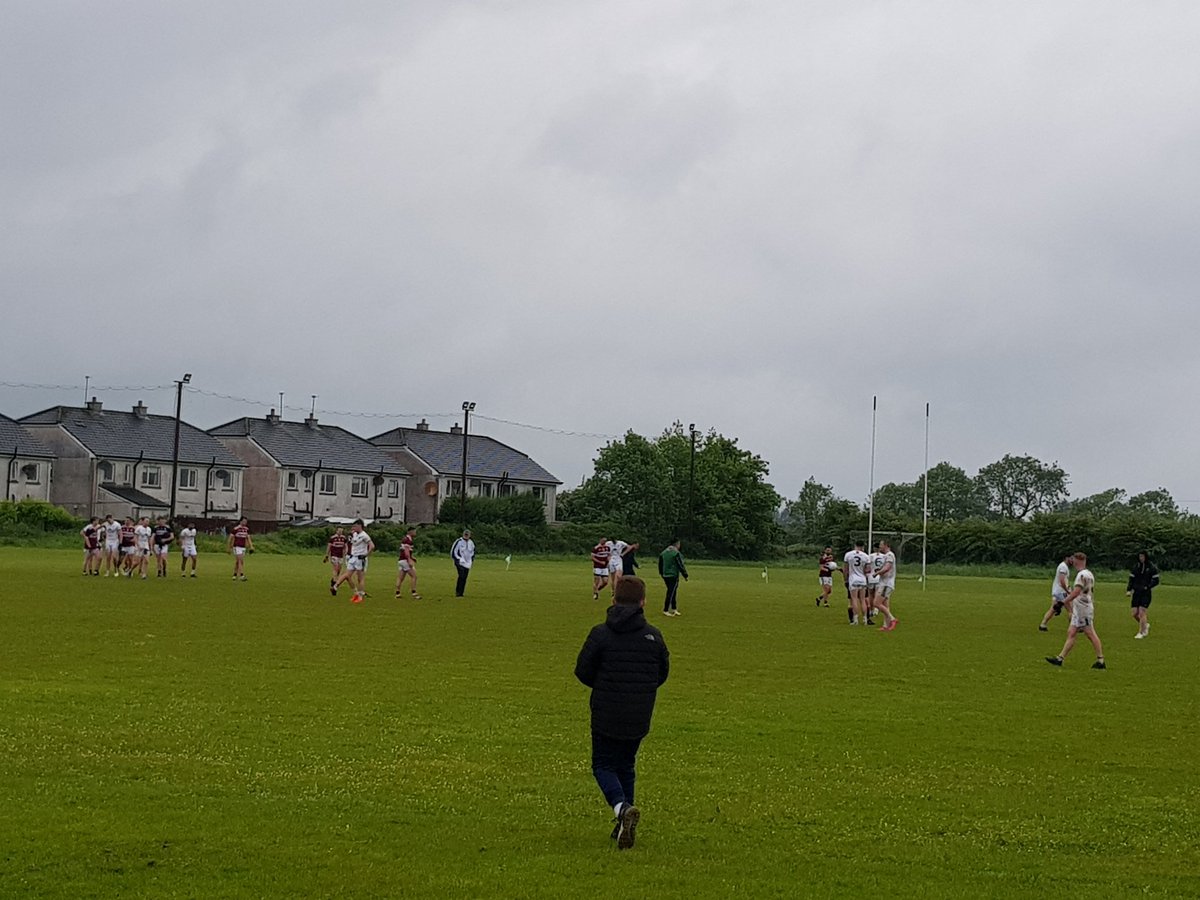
(404, 565)
(112, 546)
(884, 590)
(162, 551)
(1058, 596)
(600, 573)
(856, 583)
(188, 551)
(239, 551)
(356, 563)
(128, 551)
(614, 566)
(338, 561)
(1082, 615)
(826, 580)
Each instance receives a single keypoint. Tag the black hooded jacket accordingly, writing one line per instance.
(1142, 579)
(623, 661)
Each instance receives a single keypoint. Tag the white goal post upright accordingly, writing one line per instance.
(871, 486)
(925, 503)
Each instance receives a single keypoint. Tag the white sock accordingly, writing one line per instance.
(617, 810)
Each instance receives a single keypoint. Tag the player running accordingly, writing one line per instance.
(187, 548)
(601, 554)
(239, 544)
(361, 546)
(1080, 602)
(406, 565)
(335, 553)
(857, 562)
(1058, 592)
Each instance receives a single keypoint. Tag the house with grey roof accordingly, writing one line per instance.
(28, 463)
(435, 459)
(111, 461)
(306, 470)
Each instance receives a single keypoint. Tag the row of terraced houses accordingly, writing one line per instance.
(94, 461)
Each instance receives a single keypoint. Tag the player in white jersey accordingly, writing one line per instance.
(884, 563)
(110, 529)
(361, 546)
(616, 552)
(187, 549)
(1059, 588)
(141, 553)
(857, 563)
(873, 584)
(1082, 607)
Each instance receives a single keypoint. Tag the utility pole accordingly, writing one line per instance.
(691, 486)
(467, 407)
(175, 452)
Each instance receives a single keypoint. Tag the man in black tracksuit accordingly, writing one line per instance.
(623, 661)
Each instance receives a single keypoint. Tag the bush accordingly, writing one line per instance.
(26, 516)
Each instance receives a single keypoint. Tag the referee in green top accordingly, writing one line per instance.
(670, 567)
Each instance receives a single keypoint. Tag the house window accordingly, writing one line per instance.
(329, 484)
(507, 490)
(393, 489)
(187, 479)
(152, 477)
(538, 491)
(222, 479)
(32, 473)
(453, 488)
(104, 471)
(128, 479)
(358, 486)
(292, 481)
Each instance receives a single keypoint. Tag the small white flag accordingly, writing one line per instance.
(764, 575)
(507, 562)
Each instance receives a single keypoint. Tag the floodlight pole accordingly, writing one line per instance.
(175, 450)
(691, 485)
(467, 407)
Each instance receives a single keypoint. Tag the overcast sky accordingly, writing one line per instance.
(601, 216)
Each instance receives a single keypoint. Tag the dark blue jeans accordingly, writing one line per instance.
(670, 602)
(613, 760)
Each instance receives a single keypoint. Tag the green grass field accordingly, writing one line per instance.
(204, 738)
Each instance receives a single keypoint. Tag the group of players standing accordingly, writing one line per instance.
(870, 580)
(125, 548)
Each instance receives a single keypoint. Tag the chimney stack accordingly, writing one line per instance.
(272, 417)
(311, 422)
(422, 425)
(140, 410)
(456, 428)
(94, 405)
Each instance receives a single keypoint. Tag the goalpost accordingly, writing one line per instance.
(905, 536)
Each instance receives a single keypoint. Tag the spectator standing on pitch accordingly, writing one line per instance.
(1143, 579)
(600, 557)
(239, 543)
(624, 661)
(629, 563)
(1080, 602)
(825, 566)
(1059, 588)
(671, 568)
(463, 554)
(163, 536)
(361, 547)
(335, 553)
(187, 548)
(406, 566)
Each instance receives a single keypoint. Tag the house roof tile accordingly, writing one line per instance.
(486, 456)
(14, 437)
(299, 444)
(112, 433)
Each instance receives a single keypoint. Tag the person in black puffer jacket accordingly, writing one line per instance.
(624, 661)
(1143, 578)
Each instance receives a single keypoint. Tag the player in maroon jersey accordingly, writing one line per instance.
(406, 565)
(335, 552)
(239, 545)
(91, 547)
(601, 554)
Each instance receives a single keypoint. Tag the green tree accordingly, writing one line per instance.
(1016, 487)
(954, 495)
(1155, 503)
(648, 486)
(1099, 506)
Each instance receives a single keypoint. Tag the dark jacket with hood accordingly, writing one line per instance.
(623, 661)
(1142, 579)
